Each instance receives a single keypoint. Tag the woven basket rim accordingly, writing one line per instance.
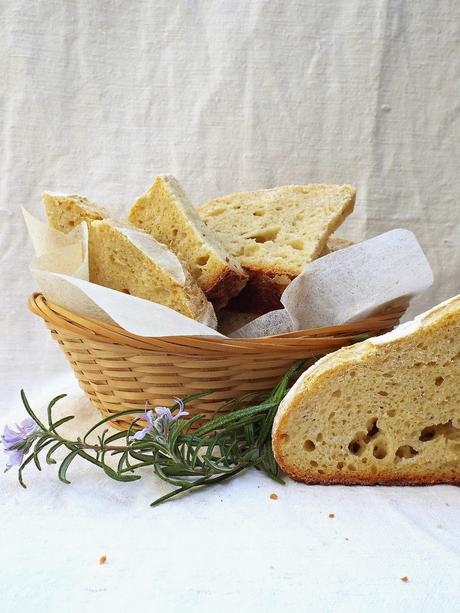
(98, 330)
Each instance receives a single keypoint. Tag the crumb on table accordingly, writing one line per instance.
(274, 496)
(405, 579)
(331, 515)
(102, 559)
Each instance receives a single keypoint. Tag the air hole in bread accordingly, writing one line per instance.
(439, 381)
(202, 260)
(215, 212)
(337, 394)
(372, 428)
(268, 234)
(380, 450)
(259, 213)
(319, 437)
(382, 393)
(309, 445)
(391, 413)
(431, 432)
(358, 444)
(313, 463)
(406, 451)
(340, 465)
(297, 244)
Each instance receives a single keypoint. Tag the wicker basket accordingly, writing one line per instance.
(119, 370)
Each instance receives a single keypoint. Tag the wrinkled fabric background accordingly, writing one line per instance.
(98, 97)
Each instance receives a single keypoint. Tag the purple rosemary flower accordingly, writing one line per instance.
(164, 411)
(162, 422)
(17, 443)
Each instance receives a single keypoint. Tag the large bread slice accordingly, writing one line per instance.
(386, 410)
(131, 261)
(166, 213)
(274, 233)
(66, 212)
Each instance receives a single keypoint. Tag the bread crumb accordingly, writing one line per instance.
(274, 496)
(404, 579)
(331, 515)
(102, 560)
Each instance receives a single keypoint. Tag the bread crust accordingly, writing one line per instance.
(229, 283)
(262, 292)
(385, 478)
(333, 366)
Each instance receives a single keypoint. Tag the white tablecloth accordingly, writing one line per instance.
(98, 97)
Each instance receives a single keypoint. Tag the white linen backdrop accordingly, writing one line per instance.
(98, 97)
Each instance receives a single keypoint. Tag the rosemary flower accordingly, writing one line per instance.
(16, 444)
(161, 422)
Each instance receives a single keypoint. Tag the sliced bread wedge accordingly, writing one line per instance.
(166, 213)
(386, 410)
(274, 233)
(66, 212)
(131, 261)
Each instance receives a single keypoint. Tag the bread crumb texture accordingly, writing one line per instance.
(117, 262)
(386, 410)
(166, 213)
(66, 212)
(279, 230)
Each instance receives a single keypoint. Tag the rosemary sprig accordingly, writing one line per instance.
(184, 457)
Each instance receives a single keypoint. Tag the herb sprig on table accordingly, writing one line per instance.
(184, 456)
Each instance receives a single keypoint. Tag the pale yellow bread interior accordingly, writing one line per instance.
(66, 212)
(166, 213)
(386, 410)
(274, 233)
(131, 261)
(279, 230)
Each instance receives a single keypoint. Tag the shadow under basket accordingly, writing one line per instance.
(118, 370)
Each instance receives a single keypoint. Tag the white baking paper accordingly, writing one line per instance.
(61, 271)
(348, 285)
(358, 281)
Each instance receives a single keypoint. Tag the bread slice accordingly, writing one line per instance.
(66, 212)
(166, 213)
(386, 410)
(131, 261)
(274, 233)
